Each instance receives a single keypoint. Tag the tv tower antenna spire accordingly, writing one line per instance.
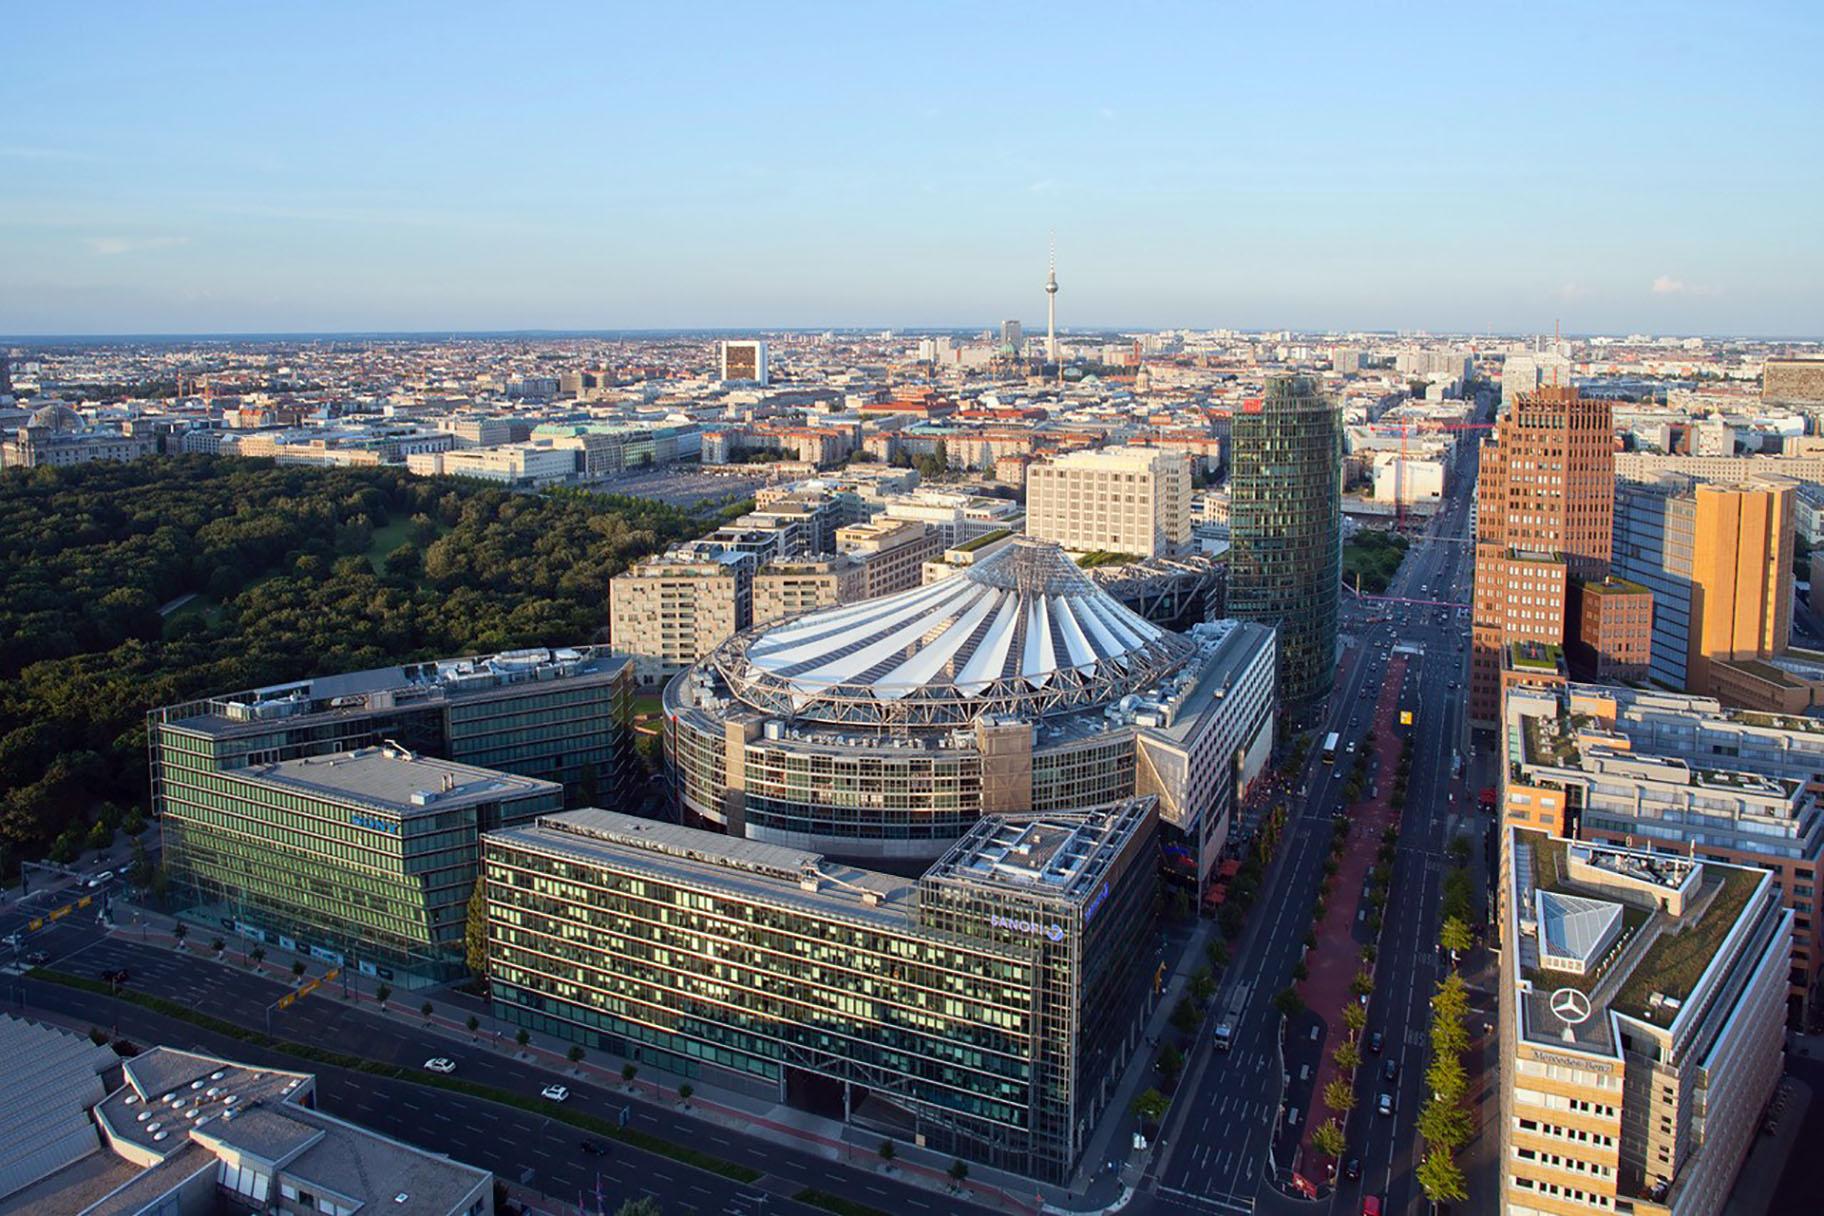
(1051, 302)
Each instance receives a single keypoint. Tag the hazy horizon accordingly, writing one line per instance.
(197, 170)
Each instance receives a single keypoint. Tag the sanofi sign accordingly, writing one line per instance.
(1054, 931)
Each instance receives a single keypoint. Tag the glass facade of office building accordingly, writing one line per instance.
(982, 1015)
(555, 715)
(1285, 525)
(356, 879)
(914, 790)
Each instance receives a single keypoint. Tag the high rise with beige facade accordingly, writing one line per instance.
(891, 552)
(1112, 500)
(669, 611)
(1718, 559)
(1544, 506)
(793, 587)
(1642, 1018)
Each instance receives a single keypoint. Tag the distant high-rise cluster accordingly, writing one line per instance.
(1285, 525)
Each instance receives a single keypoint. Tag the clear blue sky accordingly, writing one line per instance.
(177, 167)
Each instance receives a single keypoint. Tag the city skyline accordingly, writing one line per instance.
(385, 176)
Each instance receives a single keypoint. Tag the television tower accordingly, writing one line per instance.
(1051, 305)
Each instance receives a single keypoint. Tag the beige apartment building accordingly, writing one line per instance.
(670, 611)
(892, 553)
(1112, 500)
(1642, 1020)
(786, 588)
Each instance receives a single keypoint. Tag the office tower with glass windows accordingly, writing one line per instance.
(362, 858)
(555, 714)
(1285, 528)
(986, 1009)
(1718, 559)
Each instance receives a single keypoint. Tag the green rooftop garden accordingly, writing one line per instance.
(1535, 656)
(1675, 961)
(1102, 557)
(1614, 586)
(1545, 746)
(1548, 875)
(987, 538)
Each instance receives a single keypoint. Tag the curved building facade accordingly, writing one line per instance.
(1285, 529)
(885, 729)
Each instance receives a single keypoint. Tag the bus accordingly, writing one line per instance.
(1330, 748)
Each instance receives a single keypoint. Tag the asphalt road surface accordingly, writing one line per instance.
(1214, 1153)
(501, 1138)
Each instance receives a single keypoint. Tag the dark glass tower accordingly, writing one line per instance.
(1285, 525)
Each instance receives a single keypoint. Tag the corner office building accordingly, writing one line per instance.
(555, 714)
(986, 1009)
(1643, 1009)
(364, 859)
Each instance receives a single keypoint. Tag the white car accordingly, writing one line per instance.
(104, 877)
(557, 1093)
(439, 1064)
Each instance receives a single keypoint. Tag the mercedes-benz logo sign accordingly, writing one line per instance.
(1571, 1006)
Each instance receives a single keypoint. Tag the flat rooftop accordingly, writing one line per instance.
(1656, 959)
(1059, 855)
(395, 780)
(381, 689)
(769, 872)
(190, 1110)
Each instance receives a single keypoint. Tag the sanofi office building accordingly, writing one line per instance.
(984, 1009)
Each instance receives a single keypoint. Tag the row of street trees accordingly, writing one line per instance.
(1444, 1120)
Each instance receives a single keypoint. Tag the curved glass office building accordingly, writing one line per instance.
(1285, 525)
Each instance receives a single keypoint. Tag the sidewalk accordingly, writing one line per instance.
(854, 1146)
(1112, 1140)
(1337, 959)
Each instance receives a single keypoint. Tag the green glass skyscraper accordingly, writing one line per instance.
(1285, 526)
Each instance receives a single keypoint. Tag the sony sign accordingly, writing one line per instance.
(373, 823)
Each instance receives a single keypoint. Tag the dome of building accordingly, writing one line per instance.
(57, 417)
(1024, 631)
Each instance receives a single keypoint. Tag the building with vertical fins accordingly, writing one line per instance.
(1545, 507)
(985, 1009)
(1285, 525)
